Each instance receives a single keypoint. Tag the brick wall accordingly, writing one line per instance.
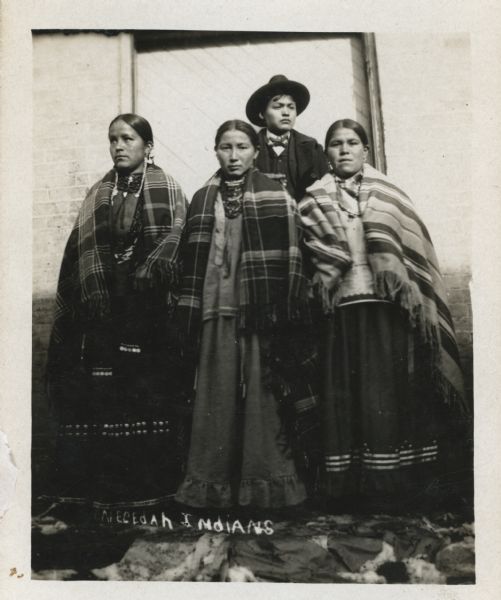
(78, 87)
(77, 82)
(426, 104)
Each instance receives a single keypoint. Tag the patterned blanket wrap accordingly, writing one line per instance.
(402, 260)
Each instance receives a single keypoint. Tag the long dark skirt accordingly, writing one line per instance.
(122, 413)
(238, 453)
(383, 425)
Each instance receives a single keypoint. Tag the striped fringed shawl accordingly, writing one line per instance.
(84, 280)
(401, 257)
(272, 283)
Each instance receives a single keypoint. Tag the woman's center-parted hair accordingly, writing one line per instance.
(347, 124)
(138, 123)
(238, 125)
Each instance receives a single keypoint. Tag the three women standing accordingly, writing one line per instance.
(114, 363)
(390, 360)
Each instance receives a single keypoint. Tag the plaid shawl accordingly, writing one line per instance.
(84, 282)
(272, 283)
(402, 259)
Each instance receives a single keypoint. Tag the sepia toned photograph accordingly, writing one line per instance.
(252, 337)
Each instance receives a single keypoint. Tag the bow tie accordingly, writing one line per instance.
(278, 140)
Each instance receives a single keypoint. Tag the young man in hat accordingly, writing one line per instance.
(293, 158)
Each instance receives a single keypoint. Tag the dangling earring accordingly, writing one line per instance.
(150, 157)
(143, 177)
(138, 193)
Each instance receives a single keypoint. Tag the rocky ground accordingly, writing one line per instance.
(306, 546)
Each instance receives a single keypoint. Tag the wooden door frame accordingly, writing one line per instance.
(144, 40)
(374, 89)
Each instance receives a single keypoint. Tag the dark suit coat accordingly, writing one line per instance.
(306, 161)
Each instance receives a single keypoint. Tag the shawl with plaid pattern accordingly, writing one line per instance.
(84, 282)
(272, 283)
(401, 257)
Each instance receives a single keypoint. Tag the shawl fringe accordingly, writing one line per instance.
(164, 272)
(449, 394)
(327, 297)
(402, 260)
(292, 376)
(389, 286)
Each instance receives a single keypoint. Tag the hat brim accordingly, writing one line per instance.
(260, 98)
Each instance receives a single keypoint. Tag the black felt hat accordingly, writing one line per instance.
(278, 84)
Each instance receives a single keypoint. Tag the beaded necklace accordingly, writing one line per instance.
(232, 193)
(352, 187)
(128, 184)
